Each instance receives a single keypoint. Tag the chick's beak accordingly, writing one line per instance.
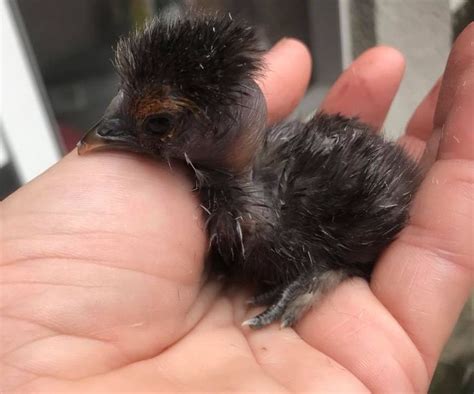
(90, 141)
(113, 131)
(104, 136)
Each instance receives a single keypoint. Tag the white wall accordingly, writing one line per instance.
(421, 30)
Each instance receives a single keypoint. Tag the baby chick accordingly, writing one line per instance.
(294, 208)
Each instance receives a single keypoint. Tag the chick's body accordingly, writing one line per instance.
(293, 209)
(320, 203)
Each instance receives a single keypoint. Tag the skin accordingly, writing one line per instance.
(102, 258)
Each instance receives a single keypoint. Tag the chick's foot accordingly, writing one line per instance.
(289, 303)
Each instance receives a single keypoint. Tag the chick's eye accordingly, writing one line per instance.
(158, 124)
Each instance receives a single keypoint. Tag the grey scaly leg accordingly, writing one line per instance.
(266, 298)
(297, 298)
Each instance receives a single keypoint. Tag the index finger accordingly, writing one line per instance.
(367, 88)
(419, 130)
(285, 78)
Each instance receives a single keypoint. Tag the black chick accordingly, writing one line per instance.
(295, 208)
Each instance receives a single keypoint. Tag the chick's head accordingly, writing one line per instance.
(187, 92)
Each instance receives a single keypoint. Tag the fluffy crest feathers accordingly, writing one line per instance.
(204, 58)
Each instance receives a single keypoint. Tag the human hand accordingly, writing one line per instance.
(102, 259)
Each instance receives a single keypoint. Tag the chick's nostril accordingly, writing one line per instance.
(102, 132)
(111, 128)
(107, 132)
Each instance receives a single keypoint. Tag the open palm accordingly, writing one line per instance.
(102, 260)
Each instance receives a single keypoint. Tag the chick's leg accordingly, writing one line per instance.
(266, 298)
(297, 298)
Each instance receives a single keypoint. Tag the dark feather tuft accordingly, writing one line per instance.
(203, 58)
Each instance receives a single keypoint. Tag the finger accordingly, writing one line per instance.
(367, 88)
(352, 327)
(287, 73)
(457, 63)
(425, 277)
(455, 111)
(296, 365)
(420, 126)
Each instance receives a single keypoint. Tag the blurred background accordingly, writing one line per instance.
(57, 78)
